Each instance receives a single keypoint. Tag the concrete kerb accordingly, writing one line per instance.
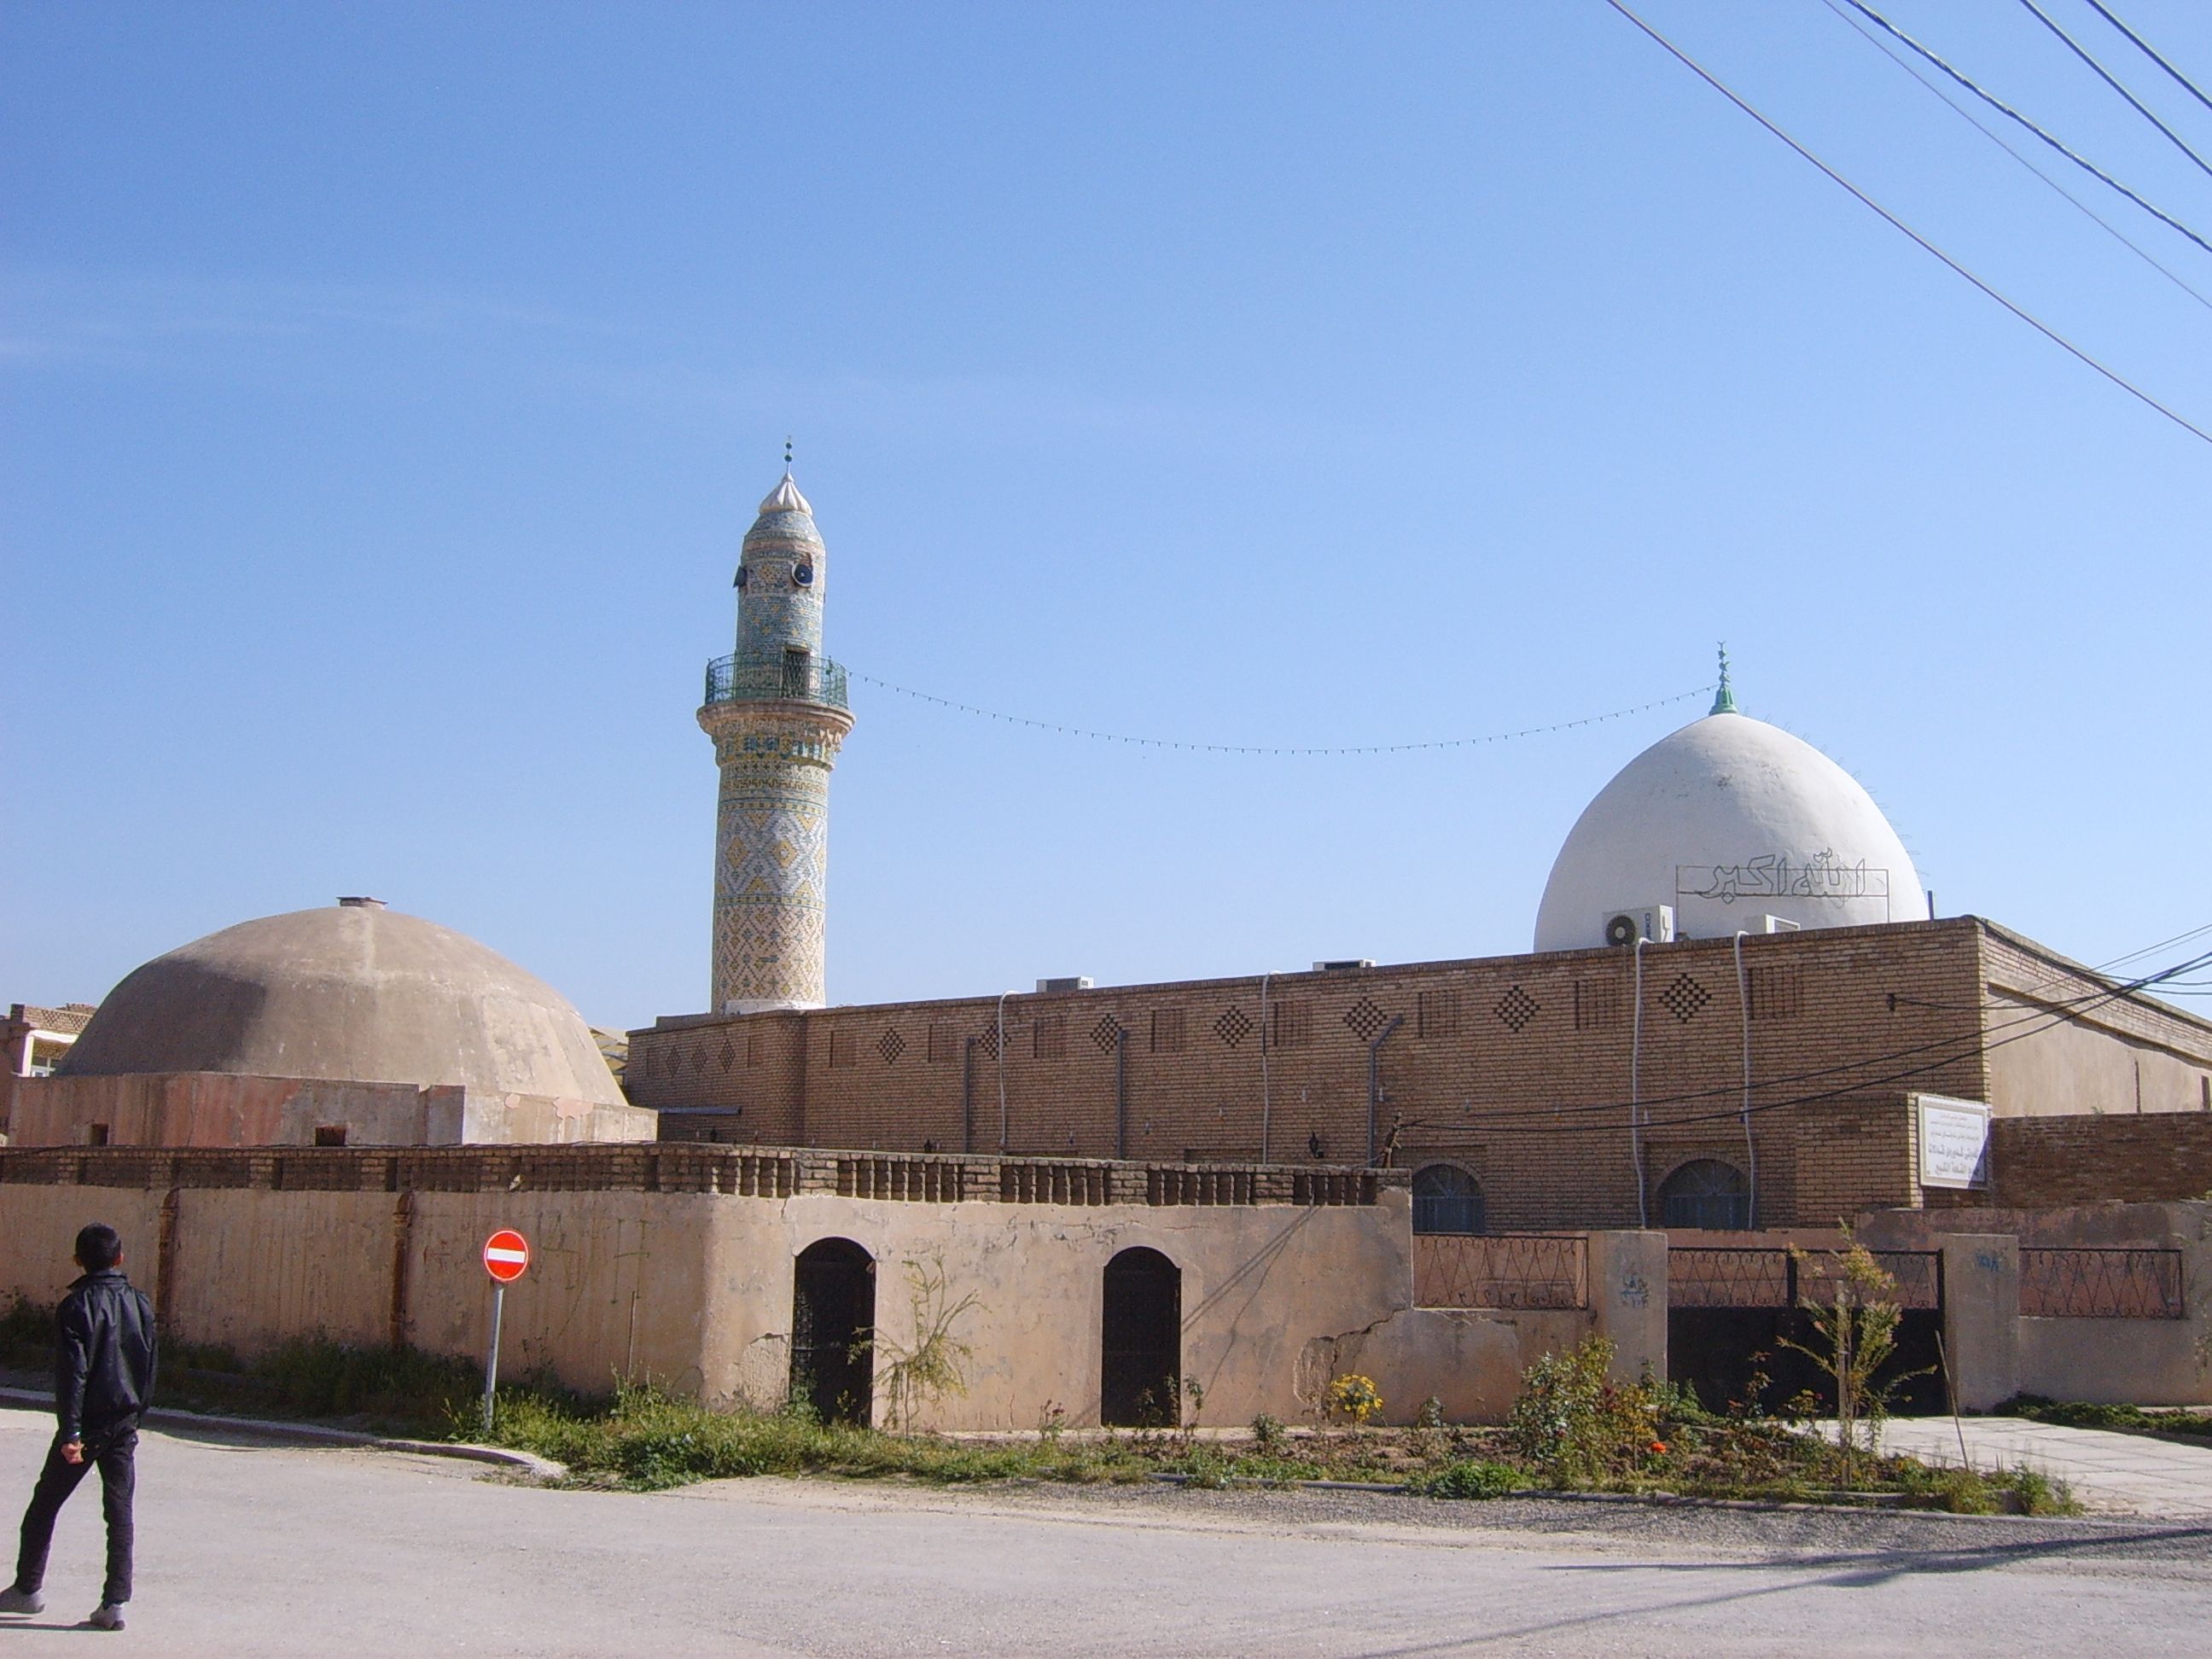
(529, 1464)
(1677, 1500)
(546, 1471)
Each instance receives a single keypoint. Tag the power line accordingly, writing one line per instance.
(2012, 114)
(1278, 749)
(2111, 80)
(1543, 1119)
(2033, 322)
(1997, 138)
(2151, 52)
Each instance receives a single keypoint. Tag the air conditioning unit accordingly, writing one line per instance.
(1655, 922)
(1343, 964)
(1781, 925)
(1079, 982)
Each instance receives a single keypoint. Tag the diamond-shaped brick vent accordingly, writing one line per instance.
(728, 1057)
(1106, 1033)
(1516, 1008)
(987, 1042)
(1233, 1027)
(1366, 1019)
(891, 1046)
(1684, 998)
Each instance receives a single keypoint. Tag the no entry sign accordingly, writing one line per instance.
(507, 1256)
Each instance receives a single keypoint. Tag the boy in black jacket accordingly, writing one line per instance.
(103, 1378)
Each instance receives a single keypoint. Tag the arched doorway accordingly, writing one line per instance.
(833, 1328)
(1141, 1339)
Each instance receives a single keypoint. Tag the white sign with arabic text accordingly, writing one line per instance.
(1954, 1141)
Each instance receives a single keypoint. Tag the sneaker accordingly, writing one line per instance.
(21, 1600)
(108, 1615)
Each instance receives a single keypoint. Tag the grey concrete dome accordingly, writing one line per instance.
(353, 992)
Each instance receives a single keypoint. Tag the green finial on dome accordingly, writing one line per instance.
(1723, 698)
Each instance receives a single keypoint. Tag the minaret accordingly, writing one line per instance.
(777, 712)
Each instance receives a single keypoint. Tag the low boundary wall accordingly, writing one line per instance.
(675, 1262)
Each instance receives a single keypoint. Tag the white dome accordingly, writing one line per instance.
(1730, 820)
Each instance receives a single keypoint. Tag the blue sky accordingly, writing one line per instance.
(388, 389)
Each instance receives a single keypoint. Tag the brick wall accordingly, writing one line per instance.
(1517, 1067)
(2042, 1162)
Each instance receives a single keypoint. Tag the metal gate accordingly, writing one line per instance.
(1140, 1340)
(833, 1318)
(1732, 1312)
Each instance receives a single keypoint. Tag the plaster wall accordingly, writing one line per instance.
(2082, 1066)
(38, 1227)
(2143, 1362)
(695, 1289)
(2151, 1362)
(219, 1109)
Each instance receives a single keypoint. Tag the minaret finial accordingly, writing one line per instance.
(1723, 698)
(787, 452)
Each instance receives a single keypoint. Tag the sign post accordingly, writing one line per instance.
(506, 1258)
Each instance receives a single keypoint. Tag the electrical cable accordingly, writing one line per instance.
(1963, 1044)
(2110, 80)
(1995, 138)
(2012, 114)
(2151, 52)
(2054, 977)
(2035, 1023)
(2033, 322)
(1284, 749)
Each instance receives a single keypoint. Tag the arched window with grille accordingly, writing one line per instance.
(1446, 1200)
(1706, 1193)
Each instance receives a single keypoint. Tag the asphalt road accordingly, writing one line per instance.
(250, 1549)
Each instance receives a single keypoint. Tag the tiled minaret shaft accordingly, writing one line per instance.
(777, 712)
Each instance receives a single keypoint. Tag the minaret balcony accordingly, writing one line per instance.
(793, 677)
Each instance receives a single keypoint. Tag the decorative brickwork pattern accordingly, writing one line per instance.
(1597, 1004)
(1517, 1009)
(1538, 1117)
(1436, 1013)
(1366, 1019)
(772, 848)
(664, 1167)
(1776, 992)
(1685, 998)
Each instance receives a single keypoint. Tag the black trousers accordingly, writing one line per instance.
(116, 1455)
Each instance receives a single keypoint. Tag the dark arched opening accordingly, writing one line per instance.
(1706, 1193)
(833, 1328)
(1446, 1200)
(1141, 1336)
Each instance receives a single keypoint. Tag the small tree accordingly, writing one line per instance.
(934, 1366)
(1854, 1335)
